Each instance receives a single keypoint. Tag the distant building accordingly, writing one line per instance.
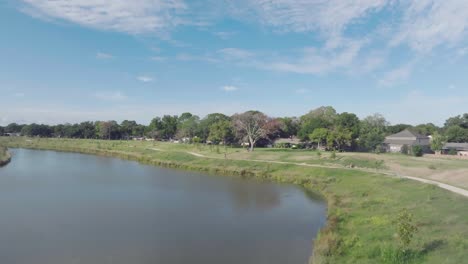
(460, 148)
(286, 142)
(395, 142)
(12, 134)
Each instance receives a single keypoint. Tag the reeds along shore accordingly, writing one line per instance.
(5, 156)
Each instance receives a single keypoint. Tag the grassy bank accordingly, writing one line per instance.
(5, 156)
(361, 205)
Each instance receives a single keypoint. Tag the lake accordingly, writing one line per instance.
(67, 208)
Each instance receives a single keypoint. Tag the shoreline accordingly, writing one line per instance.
(5, 159)
(333, 241)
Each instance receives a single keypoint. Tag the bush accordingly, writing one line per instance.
(417, 151)
(452, 152)
(406, 228)
(404, 149)
(380, 149)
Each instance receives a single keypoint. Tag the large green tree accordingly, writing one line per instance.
(187, 125)
(437, 142)
(288, 126)
(221, 132)
(426, 129)
(457, 134)
(206, 123)
(372, 132)
(460, 120)
(322, 117)
(319, 136)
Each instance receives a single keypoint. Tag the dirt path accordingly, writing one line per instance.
(199, 155)
(439, 184)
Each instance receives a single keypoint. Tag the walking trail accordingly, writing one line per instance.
(448, 187)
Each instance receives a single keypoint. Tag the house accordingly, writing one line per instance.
(461, 149)
(12, 134)
(291, 142)
(395, 142)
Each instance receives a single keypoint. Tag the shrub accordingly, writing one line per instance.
(405, 228)
(417, 151)
(404, 149)
(452, 152)
(333, 155)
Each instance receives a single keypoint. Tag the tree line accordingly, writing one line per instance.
(322, 127)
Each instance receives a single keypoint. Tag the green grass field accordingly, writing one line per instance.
(362, 205)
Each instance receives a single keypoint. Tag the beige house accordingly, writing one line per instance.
(395, 142)
(460, 148)
(286, 142)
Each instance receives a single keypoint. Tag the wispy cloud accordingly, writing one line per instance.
(133, 17)
(302, 91)
(224, 35)
(235, 53)
(330, 17)
(229, 88)
(190, 57)
(157, 58)
(316, 61)
(18, 94)
(397, 75)
(110, 96)
(104, 56)
(428, 24)
(309, 60)
(144, 78)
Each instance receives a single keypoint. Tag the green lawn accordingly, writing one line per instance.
(362, 206)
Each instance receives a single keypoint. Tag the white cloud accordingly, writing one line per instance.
(110, 96)
(309, 60)
(302, 91)
(144, 78)
(229, 88)
(104, 56)
(431, 23)
(397, 75)
(18, 94)
(330, 17)
(235, 53)
(224, 35)
(318, 61)
(136, 16)
(157, 58)
(190, 57)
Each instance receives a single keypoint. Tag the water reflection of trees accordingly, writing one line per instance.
(254, 196)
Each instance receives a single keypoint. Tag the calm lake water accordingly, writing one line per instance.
(66, 208)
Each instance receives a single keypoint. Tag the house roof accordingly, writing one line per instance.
(405, 137)
(408, 142)
(456, 146)
(408, 134)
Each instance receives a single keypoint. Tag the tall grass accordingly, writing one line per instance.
(5, 156)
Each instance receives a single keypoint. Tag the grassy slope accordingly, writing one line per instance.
(362, 205)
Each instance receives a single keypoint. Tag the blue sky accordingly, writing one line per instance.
(76, 60)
